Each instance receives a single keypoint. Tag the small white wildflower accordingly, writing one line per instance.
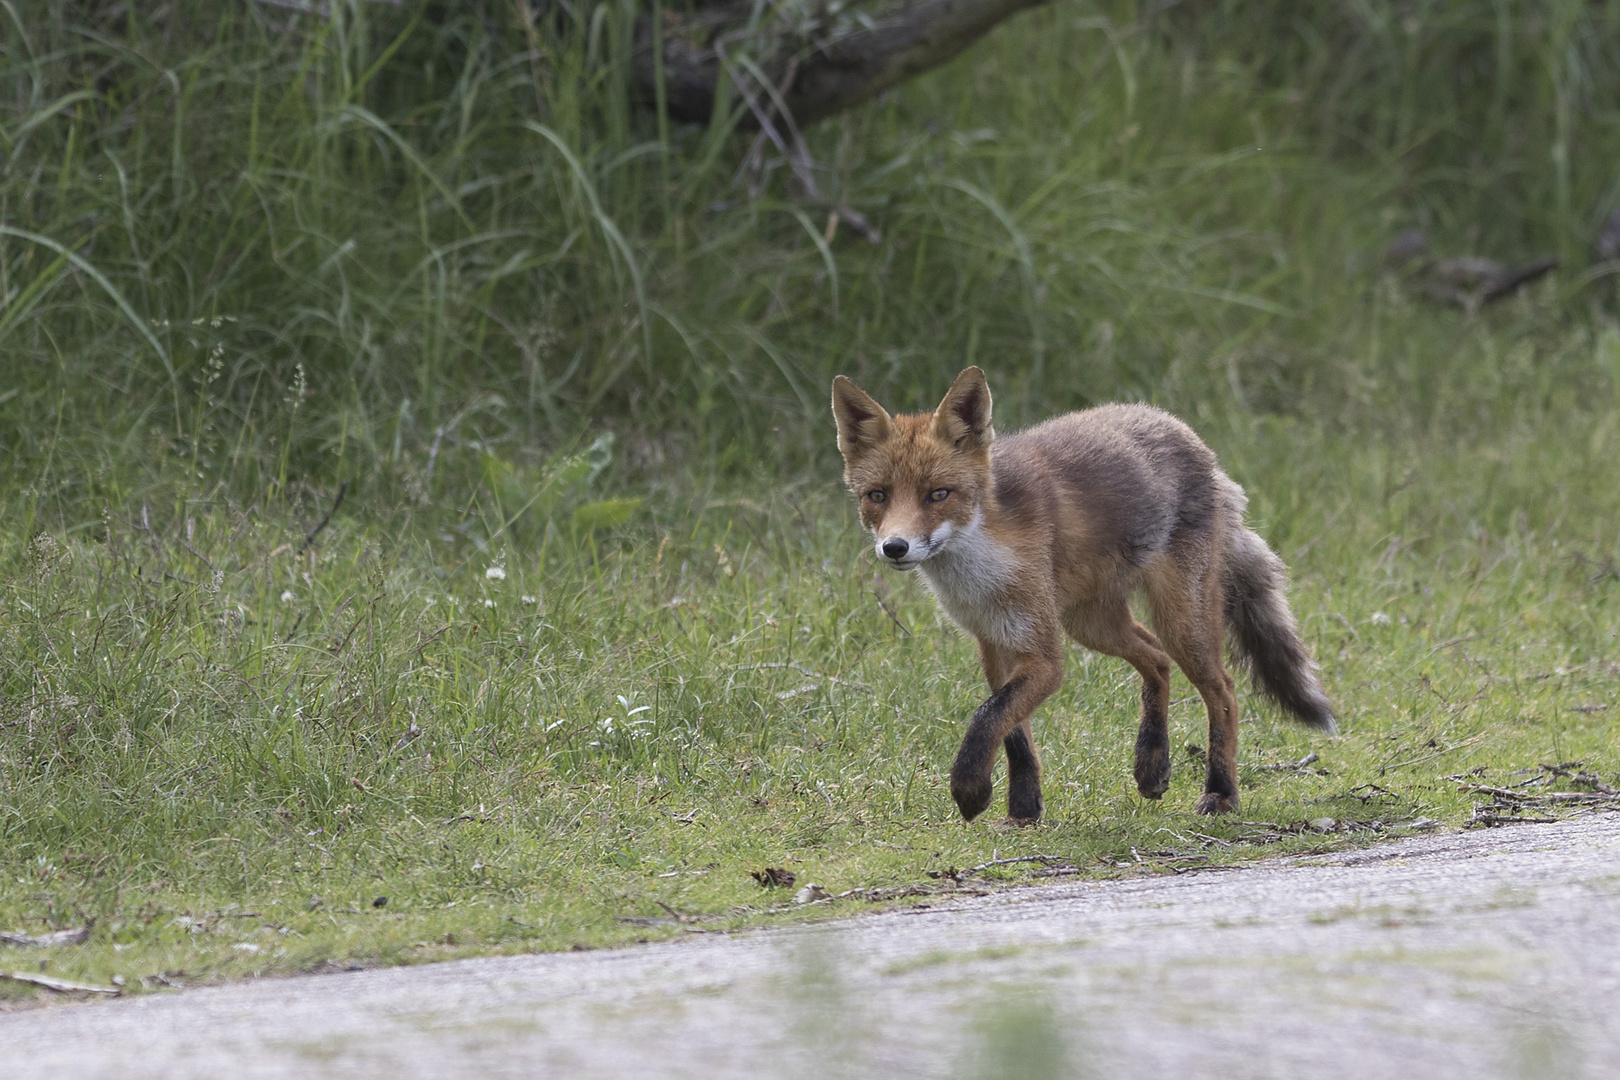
(489, 603)
(529, 600)
(1380, 619)
(288, 596)
(495, 573)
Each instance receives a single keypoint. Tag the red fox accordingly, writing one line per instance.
(1048, 531)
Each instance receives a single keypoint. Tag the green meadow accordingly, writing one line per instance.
(421, 529)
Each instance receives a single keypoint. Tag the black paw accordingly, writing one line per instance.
(971, 796)
(1153, 773)
(1213, 802)
(1024, 803)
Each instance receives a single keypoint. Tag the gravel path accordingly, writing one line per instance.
(1481, 954)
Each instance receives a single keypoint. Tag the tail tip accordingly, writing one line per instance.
(1320, 717)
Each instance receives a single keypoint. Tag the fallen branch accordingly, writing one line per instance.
(1509, 806)
(1588, 779)
(1484, 816)
(1531, 798)
(60, 986)
(74, 936)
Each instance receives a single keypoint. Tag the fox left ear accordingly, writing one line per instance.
(963, 418)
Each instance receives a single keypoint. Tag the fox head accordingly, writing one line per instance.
(921, 479)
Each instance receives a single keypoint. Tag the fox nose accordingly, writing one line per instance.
(895, 548)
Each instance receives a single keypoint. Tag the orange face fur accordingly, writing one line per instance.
(920, 480)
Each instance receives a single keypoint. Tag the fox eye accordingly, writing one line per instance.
(875, 496)
(939, 495)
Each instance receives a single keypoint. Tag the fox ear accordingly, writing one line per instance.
(862, 422)
(963, 418)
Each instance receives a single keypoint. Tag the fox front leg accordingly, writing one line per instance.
(1112, 629)
(1023, 763)
(1003, 719)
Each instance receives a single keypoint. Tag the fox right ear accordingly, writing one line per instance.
(862, 422)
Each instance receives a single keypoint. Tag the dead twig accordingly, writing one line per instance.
(324, 11)
(309, 537)
(1302, 765)
(198, 555)
(809, 673)
(1048, 859)
(890, 612)
(1440, 752)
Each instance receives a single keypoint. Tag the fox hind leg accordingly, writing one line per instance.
(1187, 612)
(1219, 692)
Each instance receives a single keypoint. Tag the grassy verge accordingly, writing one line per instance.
(233, 747)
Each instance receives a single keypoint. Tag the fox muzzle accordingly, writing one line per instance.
(901, 553)
(905, 552)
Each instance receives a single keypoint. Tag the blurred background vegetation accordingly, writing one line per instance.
(247, 250)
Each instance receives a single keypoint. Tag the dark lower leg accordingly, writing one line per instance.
(970, 773)
(1023, 775)
(1220, 778)
(1153, 740)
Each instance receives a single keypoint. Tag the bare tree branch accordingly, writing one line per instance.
(835, 65)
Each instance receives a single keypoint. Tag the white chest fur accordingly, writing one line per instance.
(971, 580)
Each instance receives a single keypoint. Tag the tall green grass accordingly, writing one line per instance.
(437, 218)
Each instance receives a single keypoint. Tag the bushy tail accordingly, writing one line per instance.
(1264, 636)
